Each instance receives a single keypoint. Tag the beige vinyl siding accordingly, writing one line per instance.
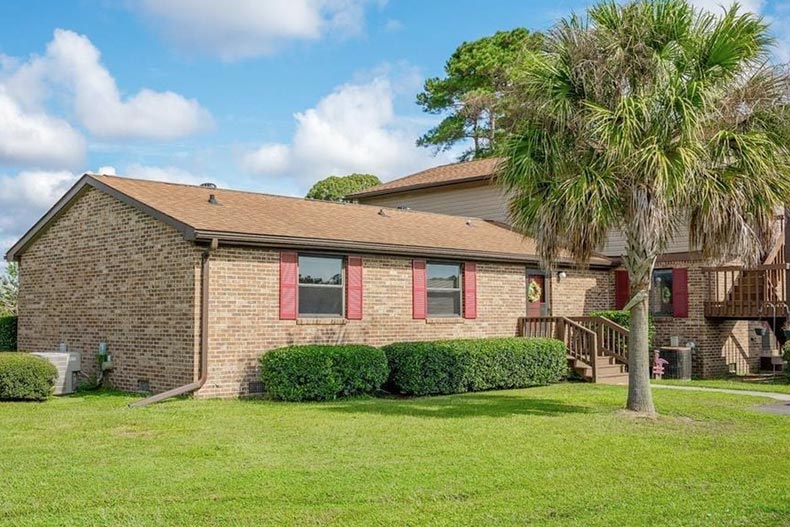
(475, 201)
(615, 245)
(486, 200)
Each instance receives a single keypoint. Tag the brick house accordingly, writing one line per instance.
(718, 308)
(189, 285)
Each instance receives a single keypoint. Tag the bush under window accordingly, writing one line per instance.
(25, 377)
(456, 366)
(320, 373)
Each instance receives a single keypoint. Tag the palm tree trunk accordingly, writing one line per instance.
(640, 397)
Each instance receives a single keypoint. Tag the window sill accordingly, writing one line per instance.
(444, 320)
(329, 321)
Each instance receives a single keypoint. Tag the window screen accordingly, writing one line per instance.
(444, 289)
(321, 286)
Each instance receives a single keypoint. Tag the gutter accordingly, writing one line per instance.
(288, 242)
(204, 298)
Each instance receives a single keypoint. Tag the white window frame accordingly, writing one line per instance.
(341, 286)
(459, 290)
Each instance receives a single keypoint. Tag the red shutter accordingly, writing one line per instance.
(288, 285)
(354, 288)
(470, 290)
(680, 292)
(419, 293)
(622, 289)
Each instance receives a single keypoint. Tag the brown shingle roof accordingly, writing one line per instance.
(434, 177)
(278, 221)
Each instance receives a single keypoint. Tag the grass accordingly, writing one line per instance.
(561, 455)
(778, 385)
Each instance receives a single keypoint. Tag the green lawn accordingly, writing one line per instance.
(560, 455)
(777, 386)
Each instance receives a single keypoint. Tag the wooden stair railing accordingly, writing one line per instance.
(612, 337)
(595, 345)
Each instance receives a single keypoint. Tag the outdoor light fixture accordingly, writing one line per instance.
(561, 276)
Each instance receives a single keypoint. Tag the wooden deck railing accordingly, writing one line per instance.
(585, 337)
(738, 292)
(612, 338)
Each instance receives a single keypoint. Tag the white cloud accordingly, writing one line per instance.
(36, 139)
(270, 158)
(250, 28)
(72, 67)
(25, 197)
(353, 129)
(106, 170)
(716, 6)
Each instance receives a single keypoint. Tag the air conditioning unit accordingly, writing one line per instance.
(68, 366)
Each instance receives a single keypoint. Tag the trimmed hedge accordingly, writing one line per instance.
(456, 366)
(8, 333)
(320, 373)
(623, 318)
(25, 377)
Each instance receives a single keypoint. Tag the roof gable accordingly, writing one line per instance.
(478, 170)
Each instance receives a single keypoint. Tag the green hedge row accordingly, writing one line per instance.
(25, 377)
(623, 318)
(8, 333)
(320, 373)
(456, 366)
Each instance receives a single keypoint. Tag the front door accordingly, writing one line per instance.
(536, 294)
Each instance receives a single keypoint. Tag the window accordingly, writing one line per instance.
(320, 286)
(444, 289)
(661, 292)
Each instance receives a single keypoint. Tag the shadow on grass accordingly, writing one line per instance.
(101, 393)
(454, 406)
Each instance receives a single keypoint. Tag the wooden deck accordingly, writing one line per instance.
(597, 347)
(734, 292)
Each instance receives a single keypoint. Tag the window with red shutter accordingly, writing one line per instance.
(470, 290)
(680, 293)
(354, 290)
(622, 289)
(288, 285)
(418, 290)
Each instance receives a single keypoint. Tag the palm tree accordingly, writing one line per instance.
(649, 117)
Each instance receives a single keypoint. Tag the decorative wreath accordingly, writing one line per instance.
(534, 292)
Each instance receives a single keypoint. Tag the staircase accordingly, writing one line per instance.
(597, 347)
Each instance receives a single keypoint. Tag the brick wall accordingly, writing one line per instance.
(245, 319)
(720, 343)
(104, 272)
(581, 292)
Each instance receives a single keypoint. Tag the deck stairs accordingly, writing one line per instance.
(597, 347)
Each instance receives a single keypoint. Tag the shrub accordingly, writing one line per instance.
(623, 318)
(786, 357)
(320, 373)
(25, 377)
(8, 333)
(456, 366)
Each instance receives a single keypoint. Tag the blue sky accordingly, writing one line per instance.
(267, 95)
